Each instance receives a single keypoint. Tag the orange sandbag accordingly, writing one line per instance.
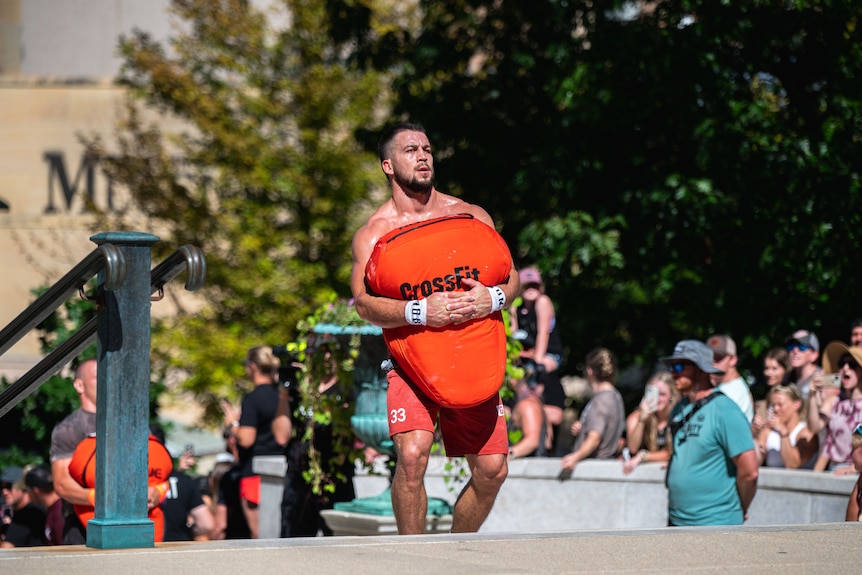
(457, 365)
(82, 468)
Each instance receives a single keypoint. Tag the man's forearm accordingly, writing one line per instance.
(438, 309)
(73, 493)
(635, 433)
(816, 418)
(512, 287)
(65, 486)
(590, 444)
(204, 522)
(282, 425)
(381, 311)
(747, 488)
(528, 444)
(747, 472)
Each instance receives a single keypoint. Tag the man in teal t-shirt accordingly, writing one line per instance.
(712, 475)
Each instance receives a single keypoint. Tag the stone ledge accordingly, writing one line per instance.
(22, 81)
(600, 496)
(350, 523)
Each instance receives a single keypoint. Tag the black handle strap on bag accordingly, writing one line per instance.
(677, 425)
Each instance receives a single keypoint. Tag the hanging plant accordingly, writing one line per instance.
(330, 337)
(336, 328)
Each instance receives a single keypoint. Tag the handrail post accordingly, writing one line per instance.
(122, 405)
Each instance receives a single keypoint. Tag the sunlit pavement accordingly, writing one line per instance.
(833, 549)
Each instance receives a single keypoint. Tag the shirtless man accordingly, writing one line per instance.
(407, 161)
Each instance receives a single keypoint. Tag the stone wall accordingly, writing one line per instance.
(599, 496)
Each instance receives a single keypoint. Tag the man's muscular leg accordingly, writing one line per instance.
(409, 500)
(488, 472)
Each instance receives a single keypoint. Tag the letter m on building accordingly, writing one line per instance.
(57, 173)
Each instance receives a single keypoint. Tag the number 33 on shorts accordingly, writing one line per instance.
(397, 415)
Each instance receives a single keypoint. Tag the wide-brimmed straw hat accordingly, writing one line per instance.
(835, 351)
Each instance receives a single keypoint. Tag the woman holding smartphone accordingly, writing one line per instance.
(648, 436)
(846, 408)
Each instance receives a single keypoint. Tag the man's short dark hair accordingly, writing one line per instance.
(40, 476)
(158, 432)
(856, 323)
(383, 144)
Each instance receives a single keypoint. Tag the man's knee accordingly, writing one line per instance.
(413, 448)
(412, 458)
(490, 471)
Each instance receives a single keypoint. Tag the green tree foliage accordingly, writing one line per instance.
(267, 179)
(25, 431)
(676, 168)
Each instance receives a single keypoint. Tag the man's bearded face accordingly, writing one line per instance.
(414, 180)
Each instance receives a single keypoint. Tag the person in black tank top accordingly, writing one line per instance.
(533, 324)
(251, 425)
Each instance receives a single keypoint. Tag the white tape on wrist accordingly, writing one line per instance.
(498, 298)
(416, 312)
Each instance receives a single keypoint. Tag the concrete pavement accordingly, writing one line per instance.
(831, 548)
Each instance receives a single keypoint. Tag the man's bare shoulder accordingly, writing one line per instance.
(388, 216)
(455, 205)
(381, 222)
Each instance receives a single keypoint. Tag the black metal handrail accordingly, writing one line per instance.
(107, 257)
(187, 257)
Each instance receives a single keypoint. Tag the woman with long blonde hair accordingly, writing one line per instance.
(648, 435)
(785, 440)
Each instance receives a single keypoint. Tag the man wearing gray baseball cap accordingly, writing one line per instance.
(803, 347)
(712, 473)
(730, 383)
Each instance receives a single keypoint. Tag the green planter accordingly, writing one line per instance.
(370, 421)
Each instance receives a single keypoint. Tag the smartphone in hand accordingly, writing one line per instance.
(832, 380)
(651, 397)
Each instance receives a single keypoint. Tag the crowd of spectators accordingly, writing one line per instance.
(52, 506)
(810, 419)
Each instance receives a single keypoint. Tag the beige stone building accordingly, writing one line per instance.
(57, 68)
(57, 64)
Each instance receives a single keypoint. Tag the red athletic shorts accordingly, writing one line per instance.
(477, 430)
(249, 489)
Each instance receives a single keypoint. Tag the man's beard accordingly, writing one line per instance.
(412, 183)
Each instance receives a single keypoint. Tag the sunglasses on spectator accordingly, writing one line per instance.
(848, 361)
(799, 346)
(5, 486)
(678, 366)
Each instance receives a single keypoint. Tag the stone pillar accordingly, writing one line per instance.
(271, 469)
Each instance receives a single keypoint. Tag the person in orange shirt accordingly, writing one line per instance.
(82, 468)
